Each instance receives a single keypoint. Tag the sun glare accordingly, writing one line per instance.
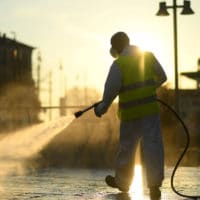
(136, 189)
(146, 42)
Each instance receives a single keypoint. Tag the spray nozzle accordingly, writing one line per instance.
(79, 113)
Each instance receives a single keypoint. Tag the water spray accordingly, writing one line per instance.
(79, 113)
(15, 148)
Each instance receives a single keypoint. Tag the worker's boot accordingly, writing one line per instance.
(155, 193)
(110, 180)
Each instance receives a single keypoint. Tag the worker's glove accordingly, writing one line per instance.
(98, 109)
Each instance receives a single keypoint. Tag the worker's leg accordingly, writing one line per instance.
(153, 153)
(129, 137)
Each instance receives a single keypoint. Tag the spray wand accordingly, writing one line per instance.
(79, 113)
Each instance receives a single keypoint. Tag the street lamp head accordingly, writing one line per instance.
(187, 9)
(162, 9)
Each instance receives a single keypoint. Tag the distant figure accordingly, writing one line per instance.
(134, 77)
(198, 64)
(198, 69)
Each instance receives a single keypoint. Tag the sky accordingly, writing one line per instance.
(76, 35)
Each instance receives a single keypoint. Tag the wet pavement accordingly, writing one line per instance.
(82, 184)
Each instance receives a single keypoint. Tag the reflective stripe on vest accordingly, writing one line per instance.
(137, 102)
(138, 93)
(136, 85)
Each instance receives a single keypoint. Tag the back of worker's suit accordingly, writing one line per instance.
(134, 77)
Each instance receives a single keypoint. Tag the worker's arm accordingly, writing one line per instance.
(111, 89)
(160, 73)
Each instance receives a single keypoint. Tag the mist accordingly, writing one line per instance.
(16, 147)
(88, 142)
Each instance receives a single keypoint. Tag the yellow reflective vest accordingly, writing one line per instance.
(138, 93)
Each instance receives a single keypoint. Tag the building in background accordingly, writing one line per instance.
(194, 75)
(190, 99)
(19, 102)
(15, 62)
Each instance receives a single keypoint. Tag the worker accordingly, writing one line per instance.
(134, 77)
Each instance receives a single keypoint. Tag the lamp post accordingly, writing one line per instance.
(186, 10)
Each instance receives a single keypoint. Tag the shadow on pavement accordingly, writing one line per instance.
(118, 196)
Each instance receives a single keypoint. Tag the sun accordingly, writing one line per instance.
(155, 44)
(146, 42)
